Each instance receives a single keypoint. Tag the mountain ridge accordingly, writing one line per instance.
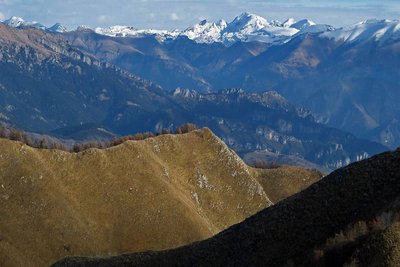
(110, 201)
(246, 27)
(291, 232)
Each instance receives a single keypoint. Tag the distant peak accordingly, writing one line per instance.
(17, 22)
(14, 21)
(247, 22)
(289, 22)
(58, 27)
(14, 18)
(249, 16)
(303, 24)
(375, 21)
(83, 28)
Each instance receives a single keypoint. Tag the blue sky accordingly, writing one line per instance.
(170, 14)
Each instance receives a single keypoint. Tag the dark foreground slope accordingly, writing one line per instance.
(153, 194)
(303, 230)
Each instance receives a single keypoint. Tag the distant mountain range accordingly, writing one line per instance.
(246, 27)
(50, 86)
(346, 76)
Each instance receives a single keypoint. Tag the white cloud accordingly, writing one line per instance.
(2, 17)
(174, 16)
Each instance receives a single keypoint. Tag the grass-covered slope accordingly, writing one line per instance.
(295, 231)
(153, 194)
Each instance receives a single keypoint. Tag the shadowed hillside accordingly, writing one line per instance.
(349, 218)
(152, 194)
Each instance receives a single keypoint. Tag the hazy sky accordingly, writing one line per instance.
(172, 14)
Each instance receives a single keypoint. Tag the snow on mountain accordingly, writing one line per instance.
(83, 28)
(318, 28)
(57, 28)
(247, 23)
(17, 22)
(126, 31)
(375, 30)
(205, 31)
(247, 27)
(302, 24)
(289, 22)
(14, 22)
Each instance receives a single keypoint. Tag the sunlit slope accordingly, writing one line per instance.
(142, 195)
(350, 218)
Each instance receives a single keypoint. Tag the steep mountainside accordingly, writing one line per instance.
(154, 194)
(266, 121)
(349, 218)
(46, 84)
(347, 75)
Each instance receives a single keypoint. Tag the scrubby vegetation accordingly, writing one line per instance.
(262, 164)
(47, 143)
(21, 136)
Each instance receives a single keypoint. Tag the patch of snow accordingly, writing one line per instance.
(375, 30)
(57, 28)
(17, 22)
(103, 97)
(302, 24)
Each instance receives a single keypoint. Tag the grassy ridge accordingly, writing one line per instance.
(291, 232)
(153, 194)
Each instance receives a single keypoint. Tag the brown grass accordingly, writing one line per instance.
(153, 194)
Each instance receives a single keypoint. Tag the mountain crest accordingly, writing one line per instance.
(247, 22)
(14, 22)
(57, 28)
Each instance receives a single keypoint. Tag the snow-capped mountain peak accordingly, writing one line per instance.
(17, 22)
(205, 31)
(127, 31)
(369, 30)
(14, 22)
(302, 24)
(247, 22)
(57, 28)
(246, 27)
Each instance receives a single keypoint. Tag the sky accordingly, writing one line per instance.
(179, 14)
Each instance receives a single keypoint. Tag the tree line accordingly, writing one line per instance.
(47, 143)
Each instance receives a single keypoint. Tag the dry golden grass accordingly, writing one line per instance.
(285, 181)
(153, 194)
